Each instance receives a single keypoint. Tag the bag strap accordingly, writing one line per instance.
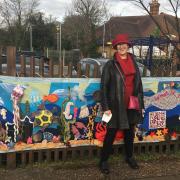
(120, 74)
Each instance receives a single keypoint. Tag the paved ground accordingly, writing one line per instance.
(161, 168)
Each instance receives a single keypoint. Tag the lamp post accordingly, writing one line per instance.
(104, 31)
(58, 28)
(57, 37)
(29, 27)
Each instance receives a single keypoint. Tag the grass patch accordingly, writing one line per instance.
(114, 159)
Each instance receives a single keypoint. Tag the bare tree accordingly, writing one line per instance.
(17, 11)
(15, 15)
(94, 10)
(91, 14)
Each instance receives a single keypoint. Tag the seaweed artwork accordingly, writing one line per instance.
(66, 119)
(90, 125)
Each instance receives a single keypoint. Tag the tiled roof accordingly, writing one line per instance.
(136, 26)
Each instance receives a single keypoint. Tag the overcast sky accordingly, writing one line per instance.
(58, 8)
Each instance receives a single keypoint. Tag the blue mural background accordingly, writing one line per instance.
(68, 111)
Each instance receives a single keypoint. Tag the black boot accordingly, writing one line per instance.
(132, 163)
(104, 167)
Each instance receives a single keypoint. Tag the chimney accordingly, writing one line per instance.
(154, 7)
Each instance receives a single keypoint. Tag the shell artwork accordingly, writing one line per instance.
(84, 112)
(67, 110)
(167, 99)
(3, 113)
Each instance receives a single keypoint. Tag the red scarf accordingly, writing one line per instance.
(129, 71)
(126, 64)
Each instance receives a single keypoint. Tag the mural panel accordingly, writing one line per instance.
(40, 113)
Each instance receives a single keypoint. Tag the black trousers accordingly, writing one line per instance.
(109, 138)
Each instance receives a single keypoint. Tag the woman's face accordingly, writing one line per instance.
(122, 49)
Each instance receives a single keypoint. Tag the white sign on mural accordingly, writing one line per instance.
(157, 119)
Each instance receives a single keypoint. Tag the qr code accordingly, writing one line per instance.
(157, 119)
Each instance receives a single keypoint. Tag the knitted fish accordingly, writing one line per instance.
(51, 98)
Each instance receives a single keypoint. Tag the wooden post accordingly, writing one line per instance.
(174, 64)
(78, 70)
(87, 70)
(32, 67)
(23, 66)
(31, 157)
(70, 70)
(51, 68)
(56, 155)
(61, 69)
(64, 154)
(48, 155)
(41, 67)
(96, 71)
(40, 156)
(11, 160)
(23, 157)
(11, 61)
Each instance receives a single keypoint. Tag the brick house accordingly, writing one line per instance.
(136, 27)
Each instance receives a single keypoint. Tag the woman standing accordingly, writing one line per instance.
(120, 80)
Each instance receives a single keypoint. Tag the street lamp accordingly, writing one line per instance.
(29, 28)
(104, 31)
(58, 28)
(30, 31)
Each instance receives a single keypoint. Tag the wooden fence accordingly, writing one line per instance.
(39, 68)
(15, 159)
(33, 67)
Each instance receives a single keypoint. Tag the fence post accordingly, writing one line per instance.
(41, 67)
(51, 68)
(174, 64)
(32, 67)
(151, 43)
(23, 66)
(11, 61)
(61, 68)
(11, 160)
(87, 70)
(70, 70)
(78, 70)
(96, 71)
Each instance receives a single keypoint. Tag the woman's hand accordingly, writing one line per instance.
(108, 112)
(106, 117)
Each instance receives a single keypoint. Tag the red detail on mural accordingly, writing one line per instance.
(174, 134)
(75, 112)
(152, 134)
(101, 132)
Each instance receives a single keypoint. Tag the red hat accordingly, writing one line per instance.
(121, 38)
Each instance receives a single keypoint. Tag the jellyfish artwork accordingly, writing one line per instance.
(16, 95)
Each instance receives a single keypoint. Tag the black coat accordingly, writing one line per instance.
(112, 91)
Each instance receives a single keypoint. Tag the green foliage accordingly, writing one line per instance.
(156, 32)
(43, 34)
